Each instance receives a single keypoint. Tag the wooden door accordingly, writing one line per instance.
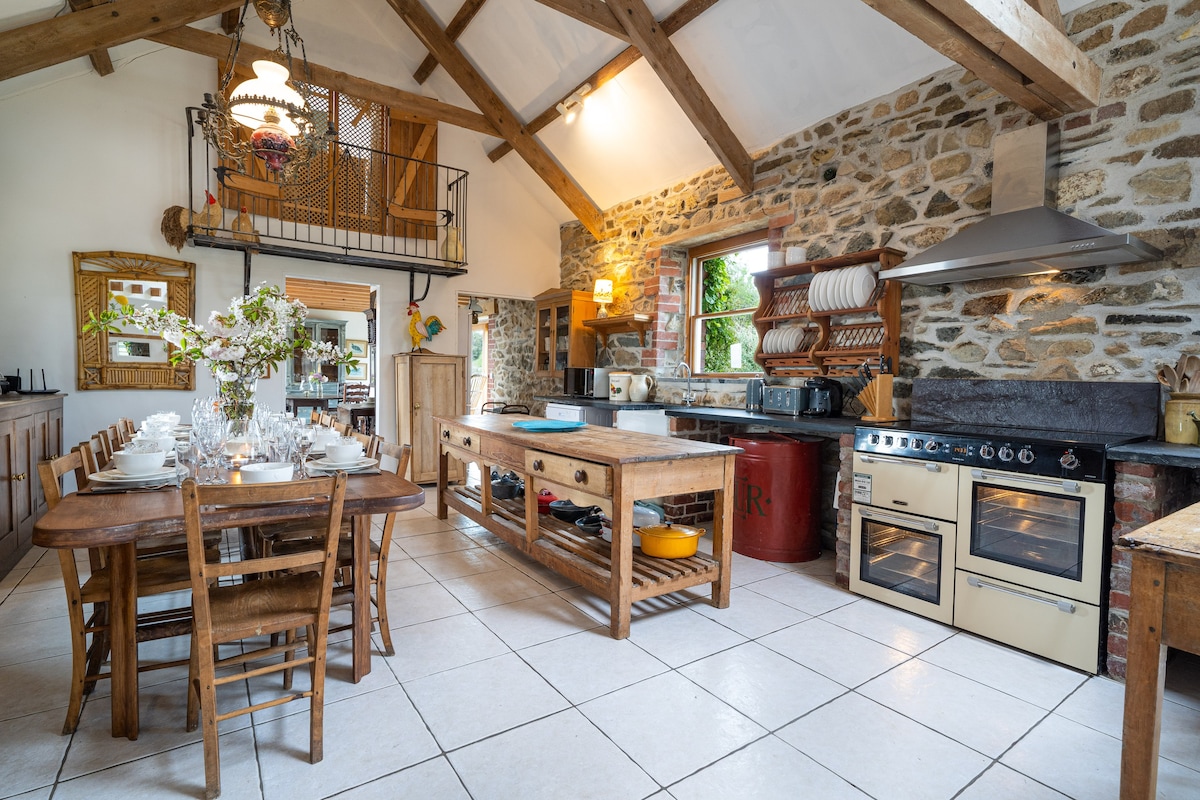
(26, 487)
(8, 495)
(438, 388)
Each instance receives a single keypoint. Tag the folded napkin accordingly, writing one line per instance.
(125, 489)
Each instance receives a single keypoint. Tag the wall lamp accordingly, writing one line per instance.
(603, 294)
(574, 102)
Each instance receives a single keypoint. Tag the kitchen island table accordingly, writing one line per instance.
(592, 465)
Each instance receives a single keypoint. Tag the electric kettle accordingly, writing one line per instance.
(824, 398)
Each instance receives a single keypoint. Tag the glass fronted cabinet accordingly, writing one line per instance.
(299, 368)
(562, 340)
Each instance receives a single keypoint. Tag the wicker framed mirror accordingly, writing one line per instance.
(132, 359)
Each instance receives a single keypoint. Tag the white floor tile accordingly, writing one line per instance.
(418, 525)
(1000, 782)
(893, 627)
(885, 754)
(34, 686)
(767, 769)
(366, 736)
(563, 755)
(678, 636)
(749, 614)
(1183, 679)
(587, 665)
(494, 588)
(432, 780)
(978, 716)
(763, 685)
(33, 606)
(1027, 677)
(41, 577)
(472, 702)
(598, 608)
(670, 726)
(439, 645)
(834, 652)
(533, 621)
(38, 740)
(404, 571)
(804, 592)
(460, 563)
(32, 641)
(429, 544)
(411, 605)
(744, 570)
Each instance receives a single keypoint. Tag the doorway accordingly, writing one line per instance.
(342, 314)
(499, 350)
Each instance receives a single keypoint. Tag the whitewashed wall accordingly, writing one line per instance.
(90, 163)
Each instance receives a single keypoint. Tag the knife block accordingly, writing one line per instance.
(876, 397)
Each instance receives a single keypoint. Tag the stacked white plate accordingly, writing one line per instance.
(841, 288)
(783, 340)
(325, 465)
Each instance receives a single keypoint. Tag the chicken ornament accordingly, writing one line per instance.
(422, 330)
(175, 220)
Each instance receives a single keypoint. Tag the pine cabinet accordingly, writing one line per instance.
(428, 385)
(562, 339)
(30, 431)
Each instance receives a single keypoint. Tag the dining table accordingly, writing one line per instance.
(118, 520)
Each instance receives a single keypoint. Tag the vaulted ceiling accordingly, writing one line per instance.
(677, 85)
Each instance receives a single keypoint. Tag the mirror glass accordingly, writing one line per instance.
(131, 359)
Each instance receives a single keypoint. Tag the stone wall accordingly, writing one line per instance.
(910, 168)
(510, 352)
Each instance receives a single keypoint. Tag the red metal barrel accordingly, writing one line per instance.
(777, 497)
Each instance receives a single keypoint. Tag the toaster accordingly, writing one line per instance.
(784, 400)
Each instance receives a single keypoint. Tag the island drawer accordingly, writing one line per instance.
(572, 472)
(462, 438)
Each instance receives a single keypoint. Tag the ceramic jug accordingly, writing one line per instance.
(1177, 424)
(618, 386)
(639, 388)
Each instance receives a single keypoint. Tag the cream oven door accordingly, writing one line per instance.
(911, 485)
(903, 560)
(1038, 532)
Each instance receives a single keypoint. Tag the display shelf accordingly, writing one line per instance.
(626, 323)
(834, 342)
(562, 340)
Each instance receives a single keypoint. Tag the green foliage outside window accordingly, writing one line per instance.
(727, 285)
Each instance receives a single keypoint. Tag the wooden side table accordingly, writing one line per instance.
(1164, 612)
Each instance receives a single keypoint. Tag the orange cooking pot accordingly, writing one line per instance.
(670, 540)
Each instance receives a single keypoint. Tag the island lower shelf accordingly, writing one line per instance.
(578, 556)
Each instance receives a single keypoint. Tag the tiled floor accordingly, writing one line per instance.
(506, 685)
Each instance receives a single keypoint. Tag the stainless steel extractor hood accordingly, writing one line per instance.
(1024, 235)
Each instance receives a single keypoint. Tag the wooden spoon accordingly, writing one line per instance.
(1172, 377)
(1192, 369)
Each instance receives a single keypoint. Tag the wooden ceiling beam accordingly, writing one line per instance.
(591, 12)
(101, 60)
(649, 37)
(1050, 11)
(1019, 34)
(435, 40)
(622, 61)
(53, 41)
(455, 29)
(407, 104)
(230, 20)
(936, 30)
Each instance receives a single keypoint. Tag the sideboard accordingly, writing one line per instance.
(30, 431)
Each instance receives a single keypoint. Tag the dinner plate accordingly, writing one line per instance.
(793, 343)
(331, 466)
(769, 340)
(814, 292)
(116, 476)
(863, 285)
(547, 425)
(839, 289)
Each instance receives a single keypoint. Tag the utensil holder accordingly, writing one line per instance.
(1178, 427)
(876, 397)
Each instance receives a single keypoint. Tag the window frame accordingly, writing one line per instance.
(696, 256)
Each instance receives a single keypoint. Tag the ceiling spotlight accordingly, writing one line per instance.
(574, 102)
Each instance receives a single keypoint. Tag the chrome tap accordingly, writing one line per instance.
(689, 396)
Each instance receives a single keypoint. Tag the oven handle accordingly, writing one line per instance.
(1067, 486)
(927, 524)
(1065, 606)
(929, 466)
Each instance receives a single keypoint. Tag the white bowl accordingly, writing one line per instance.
(324, 437)
(267, 472)
(139, 463)
(343, 453)
(165, 443)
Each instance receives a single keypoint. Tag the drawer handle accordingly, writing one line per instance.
(445, 434)
(466, 441)
(538, 466)
(20, 476)
(581, 476)
(1065, 606)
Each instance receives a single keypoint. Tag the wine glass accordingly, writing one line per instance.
(210, 436)
(304, 435)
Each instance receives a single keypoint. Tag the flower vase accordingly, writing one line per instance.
(236, 392)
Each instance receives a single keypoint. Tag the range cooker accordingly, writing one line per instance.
(996, 529)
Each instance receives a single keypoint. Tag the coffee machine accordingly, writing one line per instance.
(824, 398)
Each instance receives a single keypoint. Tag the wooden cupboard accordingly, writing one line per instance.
(428, 385)
(30, 431)
(562, 339)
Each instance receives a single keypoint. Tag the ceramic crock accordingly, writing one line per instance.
(618, 386)
(1178, 427)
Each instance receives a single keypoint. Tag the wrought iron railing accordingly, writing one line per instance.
(353, 205)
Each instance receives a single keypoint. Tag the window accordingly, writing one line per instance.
(723, 298)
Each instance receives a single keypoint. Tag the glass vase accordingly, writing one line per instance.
(236, 390)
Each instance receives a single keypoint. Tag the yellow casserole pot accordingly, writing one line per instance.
(670, 540)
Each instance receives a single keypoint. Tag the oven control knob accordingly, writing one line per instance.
(1006, 453)
(932, 447)
(1025, 456)
(1069, 460)
(904, 441)
(873, 438)
(986, 451)
(917, 444)
(887, 441)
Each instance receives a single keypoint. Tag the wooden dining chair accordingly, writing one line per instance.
(127, 427)
(107, 445)
(356, 392)
(156, 575)
(314, 416)
(342, 428)
(289, 592)
(370, 443)
(327, 420)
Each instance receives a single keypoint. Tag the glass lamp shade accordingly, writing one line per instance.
(272, 144)
(603, 293)
(270, 82)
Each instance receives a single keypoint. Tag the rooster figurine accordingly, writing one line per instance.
(422, 330)
(175, 220)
